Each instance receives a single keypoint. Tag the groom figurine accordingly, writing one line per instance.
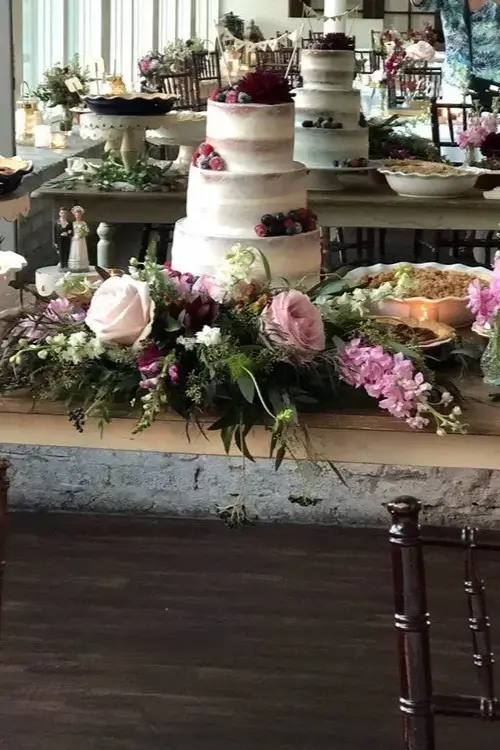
(63, 237)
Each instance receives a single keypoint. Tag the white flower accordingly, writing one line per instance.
(440, 432)
(446, 398)
(94, 348)
(384, 290)
(10, 261)
(208, 336)
(456, 411)
(241, 265)
(187, 342)
(77, 339)
(43, 354)
(59, 340)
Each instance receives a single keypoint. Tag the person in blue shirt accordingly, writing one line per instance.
(472, 43)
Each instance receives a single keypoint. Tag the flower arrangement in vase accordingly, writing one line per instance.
(54, 92)
(480, 130)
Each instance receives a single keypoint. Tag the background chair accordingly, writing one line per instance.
(418, 702)
(207, 74)
(185, 87)
(280, 61)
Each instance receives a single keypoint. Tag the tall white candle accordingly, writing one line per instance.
(43, 136)
(335, 8)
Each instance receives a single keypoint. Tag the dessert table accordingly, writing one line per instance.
(368, 207)
(363, 437)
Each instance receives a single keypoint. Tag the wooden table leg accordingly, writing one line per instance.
(4, 487)
(105, 245)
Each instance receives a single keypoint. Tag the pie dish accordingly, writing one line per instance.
(12, 172)
(131, 105)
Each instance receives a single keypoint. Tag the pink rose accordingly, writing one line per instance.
(121, 311)
(292, 320)
(421, 51)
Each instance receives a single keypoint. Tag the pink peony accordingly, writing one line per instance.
(121, 311)
(489, 122)
(292, 320)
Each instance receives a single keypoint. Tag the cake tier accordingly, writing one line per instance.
(295, 258)
(334, 67)
(311, 102)
(252, 137)
(233, 203)
(319, 148)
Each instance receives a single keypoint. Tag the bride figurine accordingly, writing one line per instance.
(78, 255)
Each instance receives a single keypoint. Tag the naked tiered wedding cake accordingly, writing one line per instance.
(244, 186)
(330, 130)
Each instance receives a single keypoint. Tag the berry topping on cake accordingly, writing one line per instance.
(279, 224)
(231, 97)
(308, 124)
(206, 149)
(261, 230)
(216, 163)
(244, 98)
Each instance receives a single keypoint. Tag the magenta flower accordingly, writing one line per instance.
(150, 361)
(148, 384)
(473, 136)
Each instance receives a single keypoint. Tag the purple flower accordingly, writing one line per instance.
(174, 374)
(61, 310)
(150, 361)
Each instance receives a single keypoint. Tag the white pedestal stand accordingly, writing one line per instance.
(12, 208)
(184, 129)
(123, 134)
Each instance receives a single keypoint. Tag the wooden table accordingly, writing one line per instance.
(369, 437)
(377, 207)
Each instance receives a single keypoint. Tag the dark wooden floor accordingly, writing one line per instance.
(142, 635)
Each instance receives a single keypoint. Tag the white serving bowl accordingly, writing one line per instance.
(417, 185)
(450, 310)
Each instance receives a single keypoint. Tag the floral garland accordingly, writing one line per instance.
(234, 345)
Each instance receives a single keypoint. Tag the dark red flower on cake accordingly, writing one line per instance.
(261, 230)
(491, 145)
(206, 149)
(266, 87)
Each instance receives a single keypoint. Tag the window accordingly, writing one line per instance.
(119, 31)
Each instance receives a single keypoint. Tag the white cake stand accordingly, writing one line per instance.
(184, 129)
(333, 178)
(125, 134)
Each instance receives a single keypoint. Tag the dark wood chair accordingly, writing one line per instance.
(185, 87)
(4, 489)
(455, 117)
(280, 61)
(418, 703)
(366, 61)
(207, 73)
(420, 82)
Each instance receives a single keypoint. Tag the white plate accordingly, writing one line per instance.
(417, 185)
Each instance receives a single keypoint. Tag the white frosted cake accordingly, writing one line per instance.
(254, 177)
(327, 111)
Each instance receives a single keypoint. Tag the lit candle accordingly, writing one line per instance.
(59, 140)
(43, 136)
(424, 314)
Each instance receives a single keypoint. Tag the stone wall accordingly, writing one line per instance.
(98, 481)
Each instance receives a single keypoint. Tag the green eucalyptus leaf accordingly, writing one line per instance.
(247, 387)
(280, 455)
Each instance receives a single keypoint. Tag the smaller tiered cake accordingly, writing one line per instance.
(330, 130)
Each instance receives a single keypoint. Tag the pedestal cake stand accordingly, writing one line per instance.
(123, 133)
(184, 129)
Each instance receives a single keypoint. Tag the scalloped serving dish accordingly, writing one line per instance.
(452, 311)
(418, 185)
(135, 104)
(443, 332)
